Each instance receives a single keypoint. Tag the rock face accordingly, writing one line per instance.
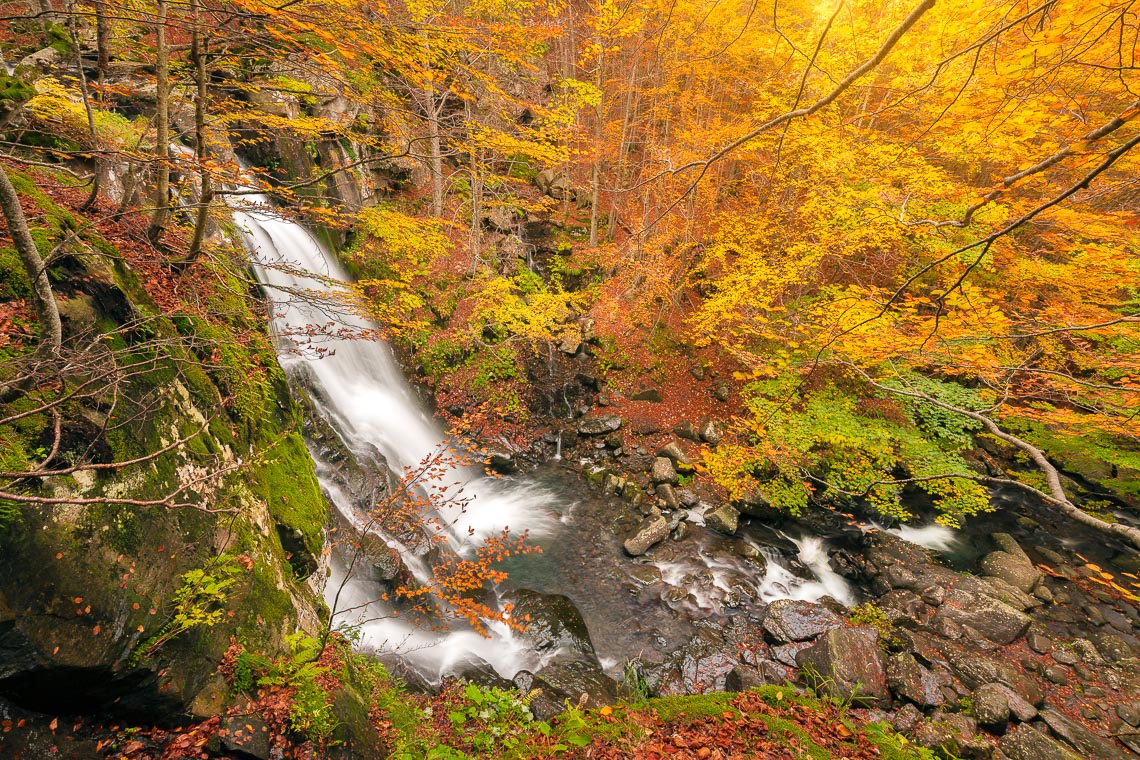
(848, 664)
(788, 620)
(652, 531)
(567, 679)
(599, 423)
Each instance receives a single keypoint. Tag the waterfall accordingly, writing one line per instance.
(359, 388)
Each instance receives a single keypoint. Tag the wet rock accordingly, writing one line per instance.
(906, 719)
(788, 620)
(785, 654)
(1089, 744)
(1015, 570)
(975, 670)
(710, 431)
(647, 394)
(688, 497)
(991, 707)
(700, 666)
(245, 736)
(553, 622)
(570, 679)
(848, 664)
(995, 620)
(743, 678)
(721, 391)
(1111, 647)
(687, 429)
(663, 471)
(1027, 743)
(478, 671)
(724, 519)
(674, 453)
(911, 681)
(937, 736)
(756, 504)
(651, 531)
(1039, 642)
(502, 461)
(599, 423)
(645, 575)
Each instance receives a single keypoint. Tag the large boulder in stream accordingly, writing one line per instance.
(723, 519)
(847, 663)
(650, 532)
(552, 622)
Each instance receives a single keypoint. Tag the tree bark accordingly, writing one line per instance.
(43, 299)
(198, 53)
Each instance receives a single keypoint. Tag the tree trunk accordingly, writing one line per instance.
(161, 212)
(92, 133)
(599, 131)
(47, 312)
(434, 113)
(198, 52)
(102, 40)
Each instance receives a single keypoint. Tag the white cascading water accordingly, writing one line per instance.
(361, 391)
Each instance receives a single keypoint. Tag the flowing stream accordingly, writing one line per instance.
(356, 385)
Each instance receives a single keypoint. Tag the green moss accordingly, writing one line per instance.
(285, 481)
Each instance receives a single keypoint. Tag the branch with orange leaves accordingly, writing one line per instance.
(853, 76)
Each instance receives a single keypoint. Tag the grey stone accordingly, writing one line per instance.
(1057, 674)
(910, 680)
(1039, 642)
(599, 423)
(991, 707)
(906, 719)
(975, 670)
(847, 664)
(1129, 712)
(667, 495)
(687, 429)
(650, 532)
(674, 453)
(788, 620)
(647, 394)
(710, 431)
(1014, 570)
(1009, 545)
(1086, 742)
(663, 471)
(724, 519)
(1027, 743)
(993, 619)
